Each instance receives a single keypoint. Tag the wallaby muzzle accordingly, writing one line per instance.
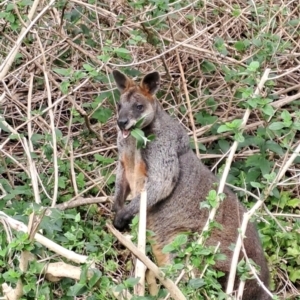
(122, 123)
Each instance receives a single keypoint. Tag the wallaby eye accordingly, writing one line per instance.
(118, 106)
(139, 107)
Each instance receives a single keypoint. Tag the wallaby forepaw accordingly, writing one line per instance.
(122, 221)
(116, 207)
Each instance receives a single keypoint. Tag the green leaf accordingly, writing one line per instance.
(10, 7)
(180, 240)
(223, 128)
(286, 116)
(64, 72)
(70, 236)
(203, 118)
(64, 87)
(294, 203)
(254, 65)
(276, 126)
(273, 146)
(260, 162)
(141, 140)
(121, 51)
(224, 145)
(77, 218)
(11, 276)
(196, 283)
(35, 138)
(294, 274)
(104, 58)
(239, 137)
(235, 123)
(252, 102)
(268, 110)
(207, 67)
(131, 282)
(168, 248)
(247, 93)
(256, 184)
(139, 135)
(104, 160)
(239, 46)
(178, 266)
(80, 180)
(3, 127)
(95, 278)
(77, 289)
(139, 123)
(212, 198)
(102, 114)
(10, 17)
(151, 137)
(88, 67)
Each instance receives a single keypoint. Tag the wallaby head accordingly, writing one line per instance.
(137, 102)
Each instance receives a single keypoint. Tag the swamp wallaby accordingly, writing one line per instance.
(176, 182)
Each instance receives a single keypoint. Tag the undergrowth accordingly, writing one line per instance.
(58, 130)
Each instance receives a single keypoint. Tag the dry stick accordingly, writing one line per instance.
(276, 104)
(254, 272)
(61, 269)
(29, 148)
(2, 97)
(140, 268)
(52, 125)
(72, 170)
(11, 56)
(17, 292)
(228, 162)
(186, 92)
(55, 162)
(37, 116)
(82, 201)
(169, 284)
(14, 131)
(247, 217)
(70, 255)
(231, 154)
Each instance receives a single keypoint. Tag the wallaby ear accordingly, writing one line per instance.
(151, 82)
(122, 81)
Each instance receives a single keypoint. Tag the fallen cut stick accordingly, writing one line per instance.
(70, 255)
(169, 284)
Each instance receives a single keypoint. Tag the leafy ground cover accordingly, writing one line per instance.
(58, 131)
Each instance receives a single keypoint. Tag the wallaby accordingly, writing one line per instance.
(176, 182)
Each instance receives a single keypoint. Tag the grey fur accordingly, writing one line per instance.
(176, 183)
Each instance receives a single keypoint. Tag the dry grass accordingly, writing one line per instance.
(32, 102)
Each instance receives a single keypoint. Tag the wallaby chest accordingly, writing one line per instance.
(134, 166)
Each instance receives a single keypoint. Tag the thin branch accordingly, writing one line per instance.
(140, 268)
(186, 93)
(11, 56)
(234, 262)
(82, 201)
(169, 284)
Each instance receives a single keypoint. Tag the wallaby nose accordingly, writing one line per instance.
(123, 122)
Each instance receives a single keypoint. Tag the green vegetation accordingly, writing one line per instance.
(58, 132)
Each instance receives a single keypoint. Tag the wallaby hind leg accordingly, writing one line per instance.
(152, 285)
